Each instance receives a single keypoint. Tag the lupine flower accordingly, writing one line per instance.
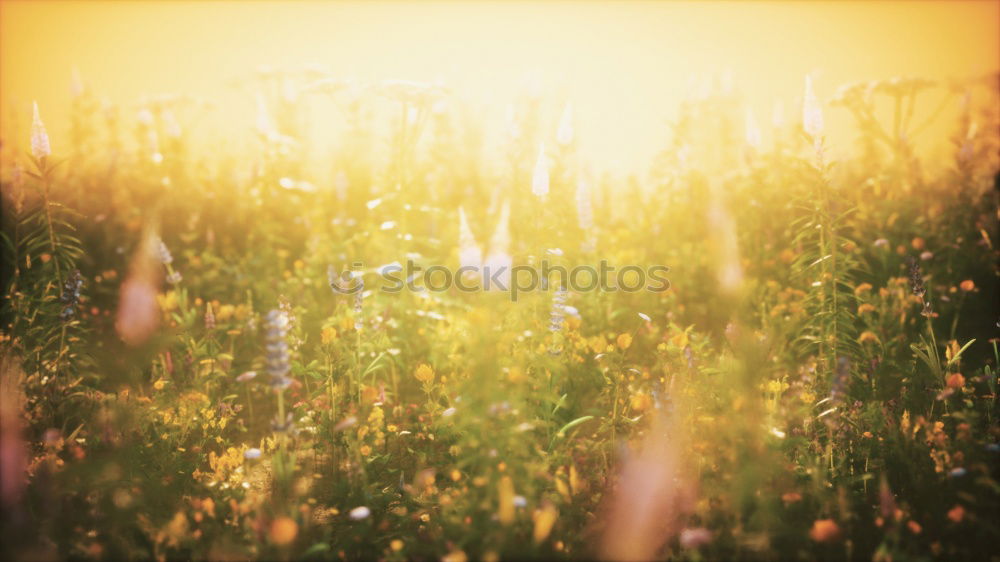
(917, 285)
(163, 253)
(540, 177)
(70, 297)
(209, 317)
(39, 138)
(469, 253)
(812, 112)
(557, 316)
(564, 135)
(285, 307)
(499, 258)
(558, 313)
(277, 350)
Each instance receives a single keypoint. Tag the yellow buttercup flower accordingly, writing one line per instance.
(328, 335)
(624, 341)
(424, 373)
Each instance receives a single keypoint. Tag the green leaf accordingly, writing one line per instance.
(572, 424)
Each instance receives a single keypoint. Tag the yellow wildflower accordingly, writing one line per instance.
(225, 312)
(545, 518)
(424, 373)
(328, 335)
(868, 337)
(506, 499)
(283, 531)
(624, 341)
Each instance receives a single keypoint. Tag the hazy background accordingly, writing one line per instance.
(625, 66)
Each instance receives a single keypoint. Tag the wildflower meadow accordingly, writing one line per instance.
(421, 345)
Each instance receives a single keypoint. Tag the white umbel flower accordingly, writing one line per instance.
(39, 138)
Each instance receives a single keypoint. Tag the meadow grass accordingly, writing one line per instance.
(182, 380)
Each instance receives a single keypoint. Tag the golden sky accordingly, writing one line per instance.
(625, 66)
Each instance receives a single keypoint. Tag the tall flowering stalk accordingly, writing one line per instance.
(812, 116)
(540, 176)
(70, 297)
(278, 365)
(499, 258)
(40, 152)
(557, 319)
(469, 252)
(40, 147)
(167, 259)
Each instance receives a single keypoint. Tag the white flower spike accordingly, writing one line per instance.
(469, 253)
(812, 112)
(39, 138)
(540, 178)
